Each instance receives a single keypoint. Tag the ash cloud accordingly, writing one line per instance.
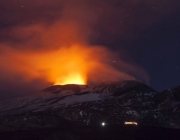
(29, 29)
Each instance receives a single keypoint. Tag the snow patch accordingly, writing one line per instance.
(79, 98)
(81, 113)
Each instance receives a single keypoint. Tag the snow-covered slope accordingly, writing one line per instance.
(113, 103)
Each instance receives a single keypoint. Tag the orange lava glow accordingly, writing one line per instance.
(77, 64)
(61, 54)
(65, 66)
(72, 78)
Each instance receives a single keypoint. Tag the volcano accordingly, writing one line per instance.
(64, 110)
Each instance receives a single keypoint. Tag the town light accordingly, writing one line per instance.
(103, 123)
(130, 123)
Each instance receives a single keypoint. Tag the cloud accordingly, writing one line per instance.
(40, 39)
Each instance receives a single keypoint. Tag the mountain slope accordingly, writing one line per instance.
(78, 105)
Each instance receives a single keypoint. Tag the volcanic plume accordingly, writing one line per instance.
(76, 64)
(57, 47)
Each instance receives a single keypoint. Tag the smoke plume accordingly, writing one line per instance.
(50, 42)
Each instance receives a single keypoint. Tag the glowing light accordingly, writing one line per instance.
(103, 123)
(76, 64)
(73, 78)
(130, 123)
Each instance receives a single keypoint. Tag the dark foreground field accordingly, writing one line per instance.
(96, 133)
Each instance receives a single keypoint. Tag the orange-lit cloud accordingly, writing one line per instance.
(52, 40)
(76, 64)
(59, 52)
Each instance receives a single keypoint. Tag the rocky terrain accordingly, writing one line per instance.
(72, 107)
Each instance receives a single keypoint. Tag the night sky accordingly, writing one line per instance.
(145, 33)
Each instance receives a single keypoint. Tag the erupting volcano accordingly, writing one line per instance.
(76, 64)
(64, 51)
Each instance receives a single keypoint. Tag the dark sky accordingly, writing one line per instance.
(144, 32)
